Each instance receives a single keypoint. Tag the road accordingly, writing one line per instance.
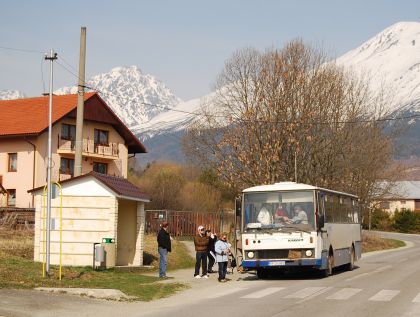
(384, 284)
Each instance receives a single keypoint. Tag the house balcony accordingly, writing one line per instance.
(89, 149)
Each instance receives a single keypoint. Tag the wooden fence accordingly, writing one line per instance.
(17, 218)
(185, 223)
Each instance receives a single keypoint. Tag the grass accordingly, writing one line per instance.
(17, 270)
(372, 242)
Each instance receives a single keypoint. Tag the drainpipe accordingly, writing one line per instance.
(33, 170)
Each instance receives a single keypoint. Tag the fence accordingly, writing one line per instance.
(17, 218)
(185, 223)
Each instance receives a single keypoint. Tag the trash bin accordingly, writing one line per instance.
(109, 247)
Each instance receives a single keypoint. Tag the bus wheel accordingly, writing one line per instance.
(262, 274)
(350, 266)
(330, 263)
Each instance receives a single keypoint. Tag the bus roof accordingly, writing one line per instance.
(289, 186)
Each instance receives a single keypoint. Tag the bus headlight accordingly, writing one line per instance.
(308, 253)
(251, 255)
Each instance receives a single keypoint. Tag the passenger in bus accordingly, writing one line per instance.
(300, 215)
(280, 215)
(264, 215)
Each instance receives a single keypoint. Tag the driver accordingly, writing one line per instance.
(300, 216)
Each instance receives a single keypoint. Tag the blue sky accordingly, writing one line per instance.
(184, 43)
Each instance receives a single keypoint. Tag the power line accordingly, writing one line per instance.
(414, 116)
(21, 50)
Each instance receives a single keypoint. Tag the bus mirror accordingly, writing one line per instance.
(238, 207)
(321, 222)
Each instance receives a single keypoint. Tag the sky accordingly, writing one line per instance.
(184, 43)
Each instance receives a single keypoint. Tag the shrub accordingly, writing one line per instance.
(407, 221)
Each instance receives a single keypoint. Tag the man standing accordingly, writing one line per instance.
(201, 243)
(164, 246)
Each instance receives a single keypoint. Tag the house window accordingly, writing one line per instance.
(68, 132)
(100, 167)
(12, 162)
(67, 166)
(384, 205)
(11, 197)
(402, 202)
(417, 204)
(101, 137)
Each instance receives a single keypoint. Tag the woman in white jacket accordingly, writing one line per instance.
(222, 248)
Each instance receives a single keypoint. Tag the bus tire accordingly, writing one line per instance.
(350, 266)
(330, 264)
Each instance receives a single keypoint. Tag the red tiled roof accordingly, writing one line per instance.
(121, 186)
(30, 115)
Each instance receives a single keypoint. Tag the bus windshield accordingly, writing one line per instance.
(277, 210)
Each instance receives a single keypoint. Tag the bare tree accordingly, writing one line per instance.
(278, 109)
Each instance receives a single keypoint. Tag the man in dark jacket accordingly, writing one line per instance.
(211, 253)
(201, 243)
(164, 246)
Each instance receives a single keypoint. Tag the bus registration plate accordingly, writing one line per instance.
(276, 263)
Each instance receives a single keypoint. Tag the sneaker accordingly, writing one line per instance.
(205, 276)
(222, 281)
(197, 276)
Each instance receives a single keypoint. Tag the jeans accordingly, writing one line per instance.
(162, 261)
(200, 258)
(211, 261)
(222, 270)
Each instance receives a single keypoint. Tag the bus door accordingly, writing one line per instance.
(322, 218)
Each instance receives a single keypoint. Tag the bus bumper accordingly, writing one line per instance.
(279, 264)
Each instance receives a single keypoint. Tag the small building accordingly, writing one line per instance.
(94, 206)
(403, 195)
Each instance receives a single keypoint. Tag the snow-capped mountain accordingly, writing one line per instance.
(392, 61)
(11, 94)
(135, 97)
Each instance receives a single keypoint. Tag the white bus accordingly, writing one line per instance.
(287, 226)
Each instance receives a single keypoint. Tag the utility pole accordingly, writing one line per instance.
(51, 58)
(80, 105)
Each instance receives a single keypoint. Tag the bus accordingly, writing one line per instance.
(287, 226)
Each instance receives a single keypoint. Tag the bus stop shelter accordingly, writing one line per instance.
(89, 209)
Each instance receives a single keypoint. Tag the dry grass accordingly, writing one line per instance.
(372, 242)
(179, 258)
(17, 243)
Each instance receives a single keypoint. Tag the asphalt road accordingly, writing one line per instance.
(384, 284)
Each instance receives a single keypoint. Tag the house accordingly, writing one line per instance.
(107, 143)
(92, 207)
(403, 195)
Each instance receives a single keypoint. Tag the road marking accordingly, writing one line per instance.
(264, 292)
(344, 293)
(378, 270)
(226, 292)
(417, 298)
(357, 276)
(306, 292)
(383, 268)
(384, 295)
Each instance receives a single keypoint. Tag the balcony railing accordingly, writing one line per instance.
(90, 147)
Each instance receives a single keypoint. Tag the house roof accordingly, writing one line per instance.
(405, 190)
(120, 186)
(29, 116)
